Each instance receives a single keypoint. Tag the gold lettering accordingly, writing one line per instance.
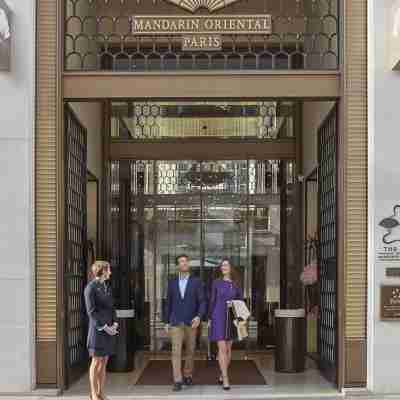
(186, 42)
(257, 25)
(173, 26)
(157, 25)
(196, 25)
(217, 42)
(241, 25)
(201, 25)
(165, 25)
(208, 25)
(148, 26)
(182, 25)
(137, 25)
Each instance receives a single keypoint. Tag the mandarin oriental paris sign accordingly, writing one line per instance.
(202, 32)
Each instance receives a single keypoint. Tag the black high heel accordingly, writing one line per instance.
(220, 381)
(225, 387)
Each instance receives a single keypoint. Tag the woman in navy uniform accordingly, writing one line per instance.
(102, 326)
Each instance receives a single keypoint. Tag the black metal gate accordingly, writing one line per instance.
(327, 179)
(75, 274)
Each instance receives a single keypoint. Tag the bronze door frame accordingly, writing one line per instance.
(278, 149)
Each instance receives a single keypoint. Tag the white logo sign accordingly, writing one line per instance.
(210, 5)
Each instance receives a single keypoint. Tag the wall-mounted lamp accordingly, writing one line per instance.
(5, 36)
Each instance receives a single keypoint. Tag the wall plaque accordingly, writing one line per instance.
(201, 43)
(390, 303)
(5, 36)
(202, 32)
(393, 272)
(388, 249)
(203, 24)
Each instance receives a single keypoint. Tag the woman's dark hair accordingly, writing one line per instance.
(235, 275)
(179, 257)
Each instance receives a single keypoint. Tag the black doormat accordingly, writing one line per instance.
(241, 372)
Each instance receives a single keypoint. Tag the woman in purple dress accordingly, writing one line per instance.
(224, 289)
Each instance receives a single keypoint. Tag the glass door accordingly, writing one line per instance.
(207, 210)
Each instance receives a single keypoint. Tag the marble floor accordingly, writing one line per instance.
(309, 384)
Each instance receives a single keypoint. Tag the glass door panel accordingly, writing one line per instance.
(178, 232)
(264, 250)
(208, 210)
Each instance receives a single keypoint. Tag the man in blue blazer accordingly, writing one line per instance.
(185, 308)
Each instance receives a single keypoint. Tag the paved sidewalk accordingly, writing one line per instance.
(207, 395)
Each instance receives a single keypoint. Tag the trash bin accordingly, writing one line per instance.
(123, 360)
(291, 342)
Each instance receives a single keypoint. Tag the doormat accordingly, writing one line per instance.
(241, 372)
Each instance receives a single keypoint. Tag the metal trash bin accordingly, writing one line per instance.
(291, 341)
(123, 360)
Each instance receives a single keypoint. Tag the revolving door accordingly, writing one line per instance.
(207, 210)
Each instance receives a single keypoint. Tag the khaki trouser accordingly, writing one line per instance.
(183, 335)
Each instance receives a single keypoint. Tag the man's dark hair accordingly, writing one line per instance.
(181, 256)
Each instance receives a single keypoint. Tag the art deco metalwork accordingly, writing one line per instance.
(138, 120)
(98, 36)
(75, 243)
(327, 177)
(194, 5)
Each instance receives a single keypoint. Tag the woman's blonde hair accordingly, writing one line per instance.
(99, 267)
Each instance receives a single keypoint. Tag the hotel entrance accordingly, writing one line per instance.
(208, 210)
(245, 187)
(215, 128)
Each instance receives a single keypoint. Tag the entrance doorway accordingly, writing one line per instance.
(220, 179)
(207, 210)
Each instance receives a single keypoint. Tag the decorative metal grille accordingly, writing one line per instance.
(164, 178)
(98, 36)
(76, 244)
(136, 120)
(327, 179)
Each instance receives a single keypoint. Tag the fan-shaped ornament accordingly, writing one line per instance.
(210, 5)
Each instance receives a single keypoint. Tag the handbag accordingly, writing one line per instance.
(231, 332)
(241, 315)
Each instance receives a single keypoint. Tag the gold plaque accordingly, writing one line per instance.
(390, 303)
(202, 25)
(201, 42)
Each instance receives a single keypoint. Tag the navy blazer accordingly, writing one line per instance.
(180, 310)
(100, 310)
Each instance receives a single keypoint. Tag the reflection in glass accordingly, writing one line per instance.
(207, 210)
(138, 120)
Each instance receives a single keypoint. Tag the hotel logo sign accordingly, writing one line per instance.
(202, 32)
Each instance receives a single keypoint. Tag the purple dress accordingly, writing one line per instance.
(221, 292)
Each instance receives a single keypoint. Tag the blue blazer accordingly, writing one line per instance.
(180, 310)
(100, 310)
